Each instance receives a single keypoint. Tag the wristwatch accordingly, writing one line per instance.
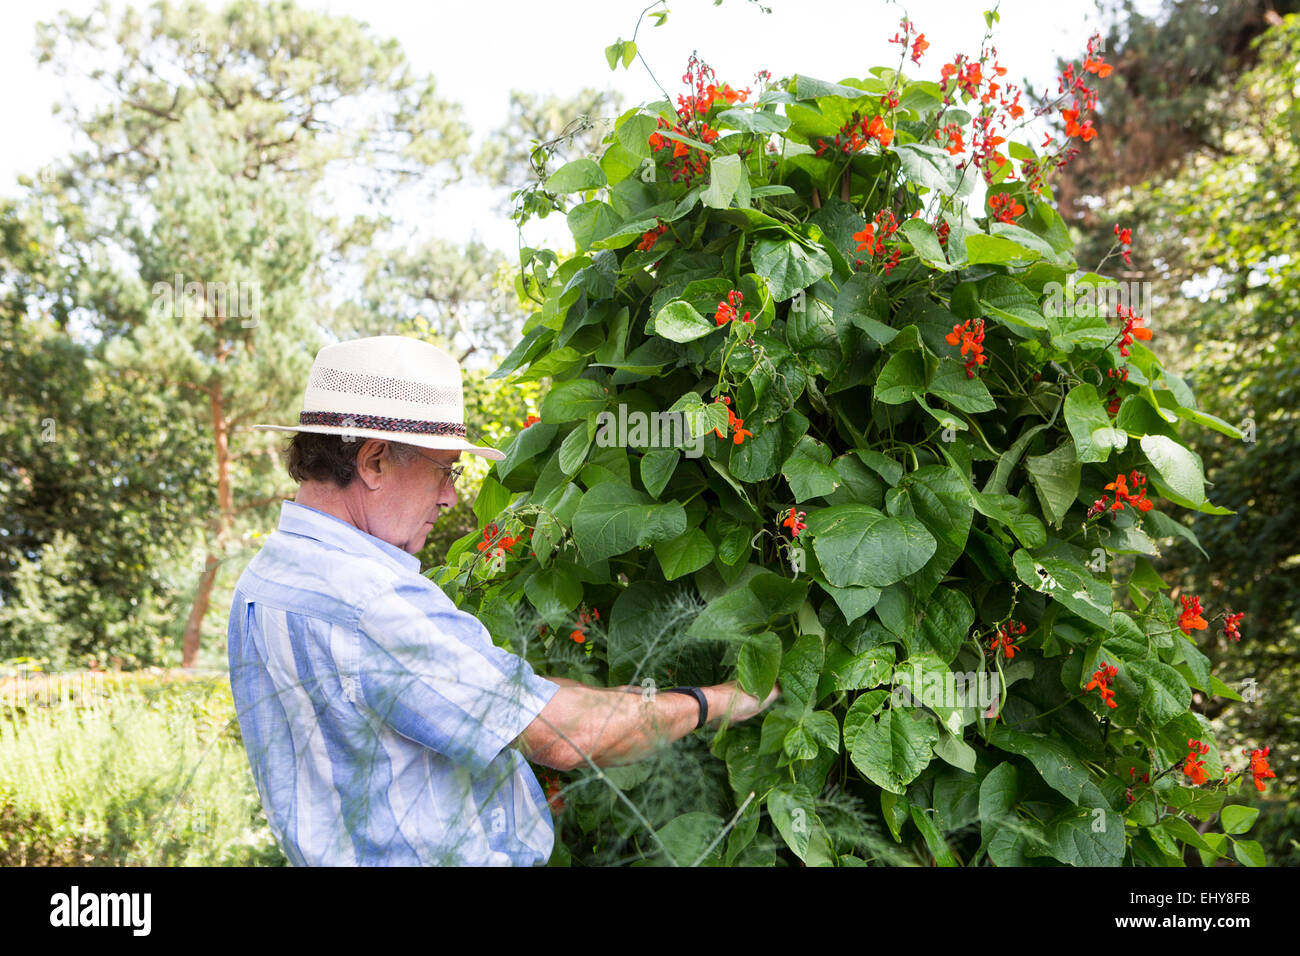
(699, 697)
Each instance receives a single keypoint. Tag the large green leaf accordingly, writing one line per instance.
(893, 750)
(679, 322)
(576, 176)
(808, 470)
(1082, 836)
(1165, 694)
(1095, 436)
(1055, 477)
(573, 399)
(788, 266)
(684, 554)
(1178, 467)
(858, 546)
(725, 174)
(614, 518)
(1067, 582)
(1059, 766)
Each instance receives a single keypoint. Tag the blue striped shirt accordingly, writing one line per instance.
(377, 716)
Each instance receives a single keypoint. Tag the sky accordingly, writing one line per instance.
(478, 52)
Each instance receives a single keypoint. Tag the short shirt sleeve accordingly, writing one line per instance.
(433, 675)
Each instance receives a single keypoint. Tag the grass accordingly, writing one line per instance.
(126, 770)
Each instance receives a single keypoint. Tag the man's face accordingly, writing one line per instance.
(412, 498)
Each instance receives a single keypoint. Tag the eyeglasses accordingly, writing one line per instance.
(454, 470)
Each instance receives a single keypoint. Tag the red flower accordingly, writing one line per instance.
(970, 338)
(532, 420)
(650, 237)
(919, 46)
(1194, 767)
(1130, 330)
(865, 239)
(794, 521)
(730, 309)
(1005, 209)
(741, 433)
(1191, 618)
(1123, 496)
(1004, 640)
(1101, 679)
(1230, 626)
(1259, 768)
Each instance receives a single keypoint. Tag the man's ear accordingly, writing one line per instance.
(373, 463)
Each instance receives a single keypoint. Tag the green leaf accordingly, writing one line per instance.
(903, 378)
(1249, 853)
(943, 855)
(758, 663)
(892, 751)
(573, 450)
(1058, 765)
(999, 794)
(492, 497)
(686, 839)
(1178, 467)
(1238, 819)
(1165, 694)
(554, 591)
(679, 322)
(577, 398)
(858, 546)
(1087, 837)
(685, 554)
(808, 470)
(788, 266)
(998, 251)
(1055, 477)
(1009, 300)
(612, 519)
(725, 173)
(657, 466)
(576, 176)
(1067, 582)
(1094, 435)
(919, 233)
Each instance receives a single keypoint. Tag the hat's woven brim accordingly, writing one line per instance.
(437, 442)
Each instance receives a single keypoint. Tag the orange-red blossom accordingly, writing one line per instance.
(1101, 679)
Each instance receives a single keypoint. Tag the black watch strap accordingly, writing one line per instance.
(699, 697)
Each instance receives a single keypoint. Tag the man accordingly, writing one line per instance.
(382, 724)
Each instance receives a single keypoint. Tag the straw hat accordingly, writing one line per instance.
(387, 386)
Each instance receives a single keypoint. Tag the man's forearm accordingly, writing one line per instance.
(586, 723)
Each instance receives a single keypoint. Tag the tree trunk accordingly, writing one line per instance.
(225, 515)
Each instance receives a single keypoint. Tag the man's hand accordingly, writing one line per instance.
(729, 701)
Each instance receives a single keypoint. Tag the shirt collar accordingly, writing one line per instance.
(326, 528)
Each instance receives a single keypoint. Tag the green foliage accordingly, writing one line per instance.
(942, 506)
(117, 770)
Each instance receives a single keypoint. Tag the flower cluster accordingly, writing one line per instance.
(950, 138)
(1136, 498)
(579, 632)
(794, 521)
(1083, 102)
(919, 45)
(691, 111)
(1193, 766)
(1191, 619)
(497, 548)
(1125, 237)
(987, 127)
(1130, 330)
(873, 235)
(532, 420)
(1259, 768)
(1004, 639)
(970, 335)
(730, 309)
(1230, 625)
(857, 133)
(1005, 209)
(740, 432)
(1101, 679)
(650, 237)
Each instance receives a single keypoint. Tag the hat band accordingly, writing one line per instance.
(379, 423)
